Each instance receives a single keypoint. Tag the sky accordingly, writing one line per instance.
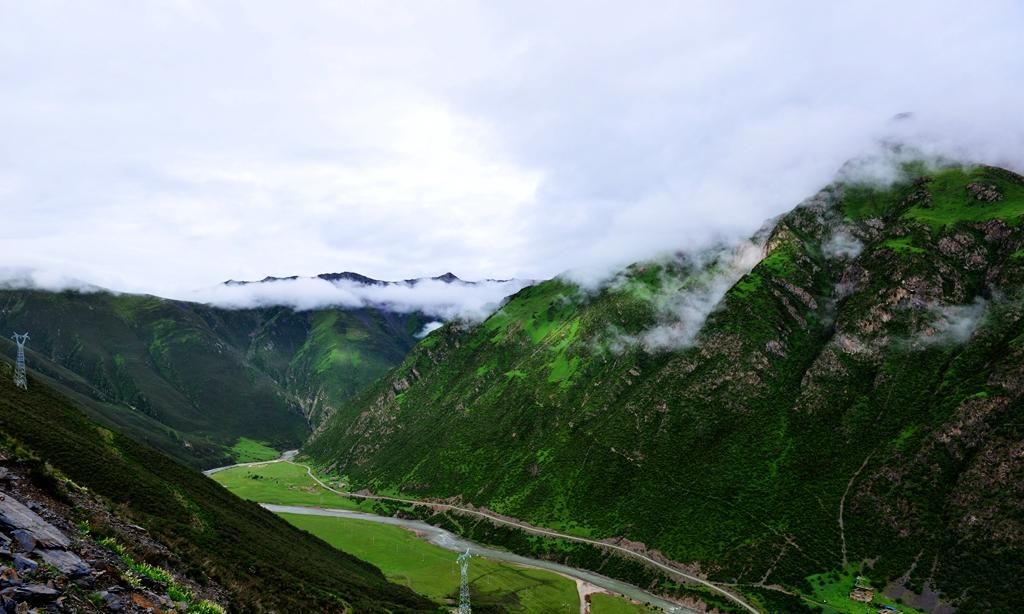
(166, 146)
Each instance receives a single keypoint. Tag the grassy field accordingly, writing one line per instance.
(432, 571)
(404, 558)
(283, 484)
(248, 450)
(602, 603)
(951, 203)
(832, 591)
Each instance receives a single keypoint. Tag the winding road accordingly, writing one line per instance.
(288, 456)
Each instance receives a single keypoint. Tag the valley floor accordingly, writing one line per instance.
(404, 555)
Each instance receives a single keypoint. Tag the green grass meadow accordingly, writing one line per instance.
(603, 603)
(432, 571)
(832, 594)
(281, 484)
(403, 557)
(248, 450)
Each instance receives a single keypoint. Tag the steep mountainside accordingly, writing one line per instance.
(191, 379)
(857, 397)
(163, 514)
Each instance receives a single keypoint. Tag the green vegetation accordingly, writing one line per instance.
(951, 203)
(941, 198)
(282, 484)
(199, 383)
(145, 570)
(902, 244)
(818, 379)
(536, 313)
(204, 607)
(248, 450)
(860, 202)
(175, 591)
(402, 557)
(261, 560)
(831, 592)
(431, 570)
(904, 437)
(180, 594)
(603, 603)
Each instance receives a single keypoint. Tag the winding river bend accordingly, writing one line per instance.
(450, 541)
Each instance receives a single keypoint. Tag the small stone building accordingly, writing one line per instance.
(862, 594)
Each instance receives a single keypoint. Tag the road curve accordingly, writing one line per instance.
(288, 456)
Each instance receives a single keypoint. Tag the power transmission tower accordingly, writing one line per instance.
(20, 379)
(464, 590)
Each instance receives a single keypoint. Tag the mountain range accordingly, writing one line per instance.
(193, 379)
(843, 394)
(840, 395)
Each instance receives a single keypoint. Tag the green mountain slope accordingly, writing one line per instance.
(855, 398)
(264, 562)
(191, 379)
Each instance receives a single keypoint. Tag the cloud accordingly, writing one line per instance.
(684, 304)
(842, 244)
(438, 299)
(955, 323)
(444, 300)
(428, 328)
(163, 146)
(21, 278)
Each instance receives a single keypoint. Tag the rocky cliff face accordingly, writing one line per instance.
(852, 401)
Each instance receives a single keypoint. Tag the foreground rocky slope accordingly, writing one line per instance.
(852, 402)
(106, 503)
(56, 565)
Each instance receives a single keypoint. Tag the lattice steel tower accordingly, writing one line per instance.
(20, 379)
(464, 590)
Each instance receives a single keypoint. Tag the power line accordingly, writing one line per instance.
(20, 378)
(464, 607)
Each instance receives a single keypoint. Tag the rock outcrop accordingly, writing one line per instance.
(49, 563)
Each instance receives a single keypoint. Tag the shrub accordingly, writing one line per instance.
(204, 607)
(139, 569)
(179, 593)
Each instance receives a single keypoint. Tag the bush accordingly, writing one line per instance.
(179, 593)
(205, 607)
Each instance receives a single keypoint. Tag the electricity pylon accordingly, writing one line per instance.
(464, 590)
(20, 379)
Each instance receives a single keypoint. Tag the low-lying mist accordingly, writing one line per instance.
(443, 300)
(470, 301)
(683, 303)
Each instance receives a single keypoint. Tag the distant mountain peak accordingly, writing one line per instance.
(448, 278)
(350, 276)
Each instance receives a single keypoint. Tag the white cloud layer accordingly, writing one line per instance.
(168, 145)
(469, 301)
(438, 299)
